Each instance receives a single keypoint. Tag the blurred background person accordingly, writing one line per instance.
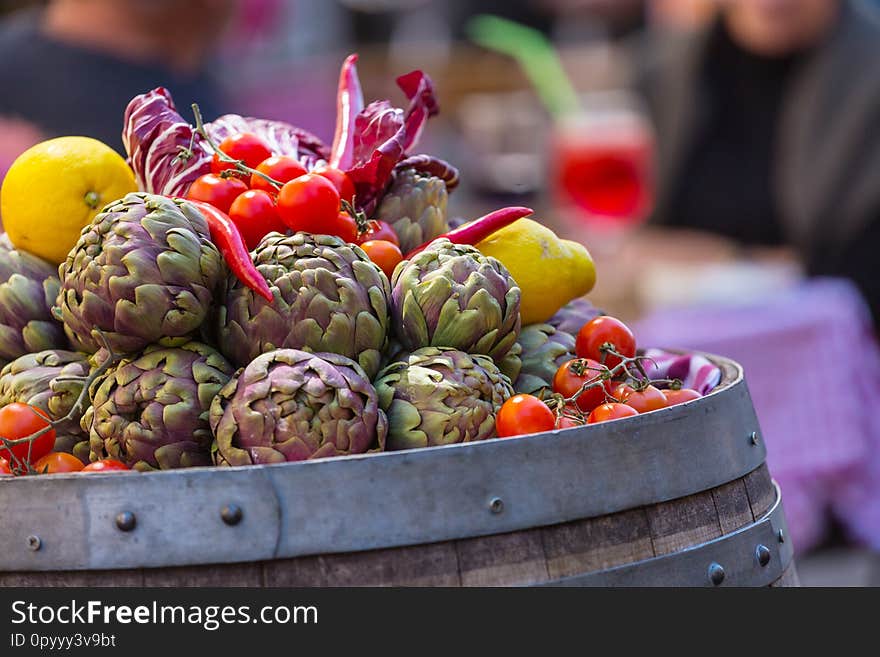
(766, 124)
(71, 66)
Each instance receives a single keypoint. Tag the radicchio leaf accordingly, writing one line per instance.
(384, 135)
(349, 104)
(163, 150)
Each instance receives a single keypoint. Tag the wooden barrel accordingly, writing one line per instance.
(678, 497)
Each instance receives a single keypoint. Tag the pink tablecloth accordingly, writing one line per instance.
(813, 368)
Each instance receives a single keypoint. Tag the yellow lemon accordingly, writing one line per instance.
(55, 188)
(550, 272)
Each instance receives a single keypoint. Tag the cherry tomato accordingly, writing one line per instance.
(567, 422)
(54, 462)
(255, 215)
(573, 374)
(19, 421)
(219, 192)
(308, 203)
(343, 226)
(340, 181)
(278, 167)
(523, 414)
(246, 147)
(605, 412)
(378, 230)
(649, 399)
(4, 467)
(680, 396)
(106, 465)
(385, 254)
(601, 330)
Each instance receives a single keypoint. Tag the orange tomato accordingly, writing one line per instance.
(383, 253)
(606, 412)
(55, 462)
(644, 401)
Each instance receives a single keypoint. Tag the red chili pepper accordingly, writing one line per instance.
(349, 103)
(479, 229)
(228, 239)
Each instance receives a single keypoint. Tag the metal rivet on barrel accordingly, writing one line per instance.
(762, 554)
(34, 542)
(126, 521)
(716, 573)
(231, 514)
(781, 536)
(753, 437)
(496, 505)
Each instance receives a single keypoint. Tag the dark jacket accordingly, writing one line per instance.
(827, 158)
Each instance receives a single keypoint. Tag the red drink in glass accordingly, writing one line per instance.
(602, 160)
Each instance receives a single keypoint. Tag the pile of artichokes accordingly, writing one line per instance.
(176, 363)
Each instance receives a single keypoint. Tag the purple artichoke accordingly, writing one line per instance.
(151, 411)
(451, 295)
(291, 405)
(573, 315)
(144, 272)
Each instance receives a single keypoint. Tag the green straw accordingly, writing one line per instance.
(534, 53)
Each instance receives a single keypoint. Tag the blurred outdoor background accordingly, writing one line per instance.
(720, 159)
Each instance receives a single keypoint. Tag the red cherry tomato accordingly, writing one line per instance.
(605, 412)
(340, 181)
(106, 465)
(605, 330)
(385, 254)
(343, 226)
(20, 421)
(649, 399)
(378, 230)
(522, 414)
(219, 192)
(680, 396)
(278, 167)
(55, 462)
(4, 467)
(246, 147)
(255, 215)
(308, 203)
(567, 422)
(573, 374)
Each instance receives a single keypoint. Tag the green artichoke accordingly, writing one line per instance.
(544, 349)
(415, 206)
(511, 364)
(292, 405)
(437, 396)
(28, 287)
(451, 295)
(52, 381)
(144, 272)
(573, 315)
(151, 411)
(329, 297)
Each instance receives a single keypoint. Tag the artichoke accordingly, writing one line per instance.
(511, 364)
(28, 287)
(544, 349)
(415, 206)
(451, 295)
(52, 381)
(573, 315)
(151, 411)
(437, 396)
(292, 405)
(329, 297)
(144, 272)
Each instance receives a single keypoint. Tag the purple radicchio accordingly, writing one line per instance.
(382, 135)
(163, 150)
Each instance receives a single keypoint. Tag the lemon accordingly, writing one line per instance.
(550, 272)
(55, 188)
